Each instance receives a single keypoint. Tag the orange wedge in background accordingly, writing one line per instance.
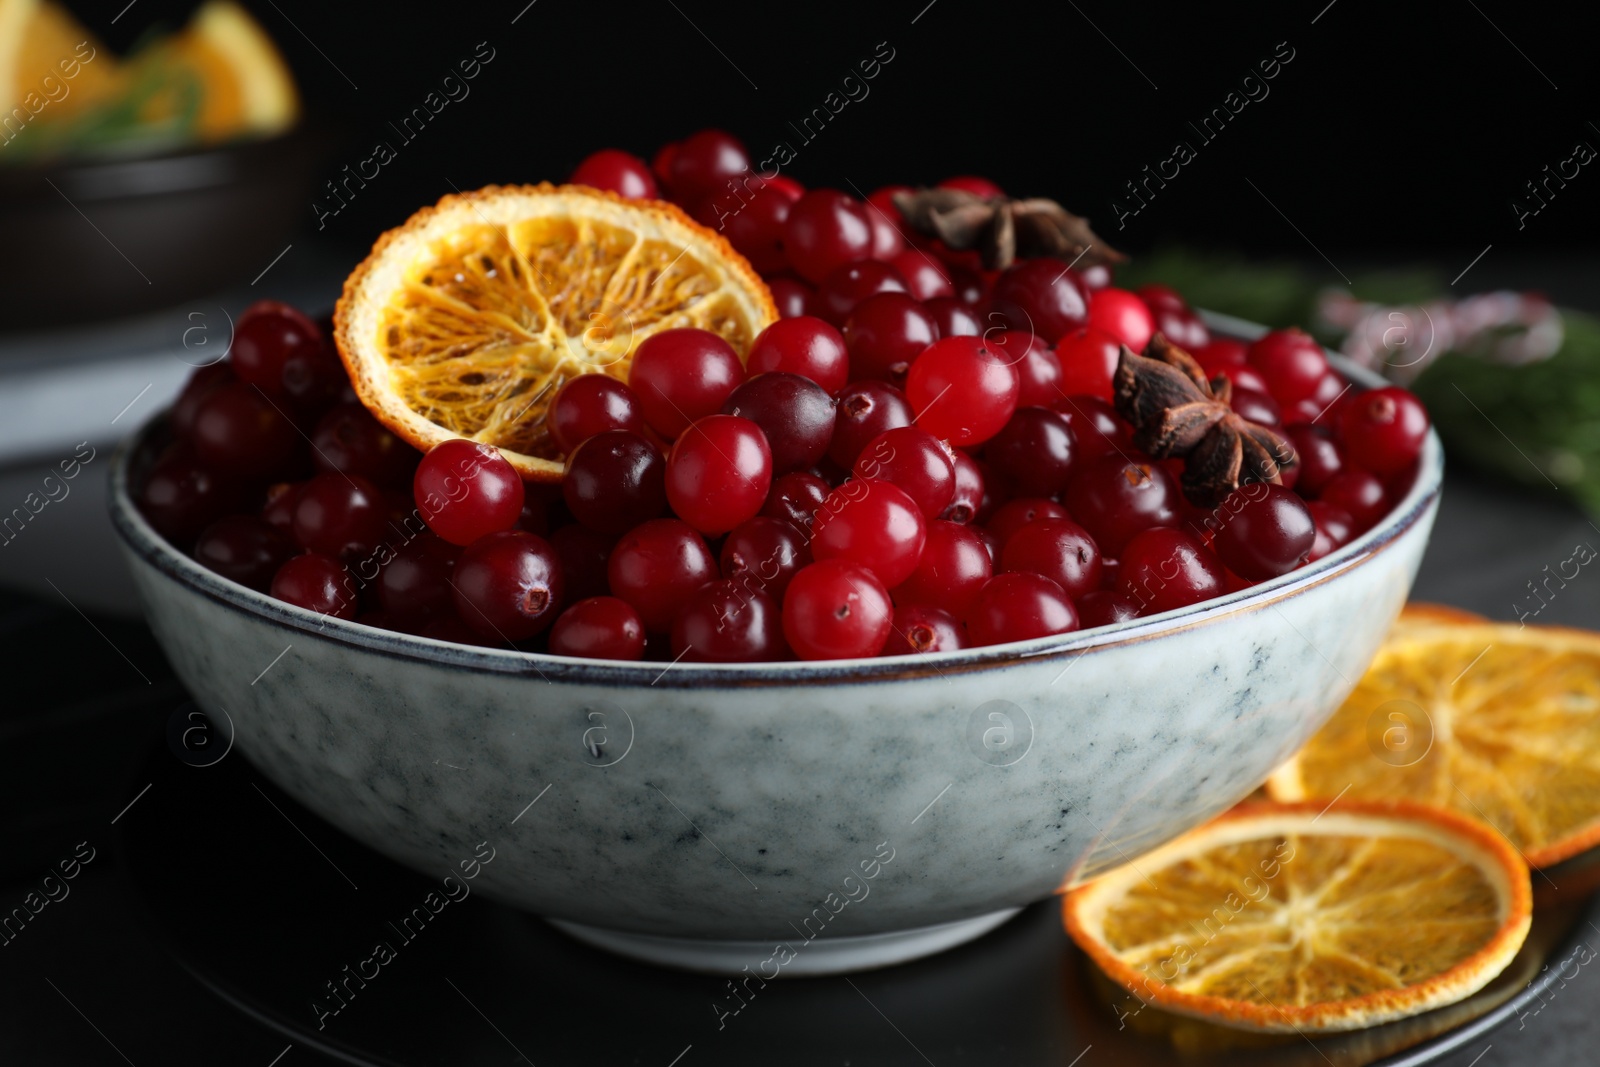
(225, 66)
(466, 320)
(36, 38)
(1305, 917)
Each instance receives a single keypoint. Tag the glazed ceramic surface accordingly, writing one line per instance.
(757, 802)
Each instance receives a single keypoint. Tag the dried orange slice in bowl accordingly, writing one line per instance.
(1309, 917)
(1497, 721)
(466, 320)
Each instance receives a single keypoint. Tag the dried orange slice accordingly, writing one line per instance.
(1500, 722)
(1308, 917)
(51, 67)
(243, 83)
(466, 320)
(1421, 613)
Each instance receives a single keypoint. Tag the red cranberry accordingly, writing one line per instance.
(350, 440)
(201, 384)
(1319, 457)
(885, 333)
(591, 404)
(1104, 607)
(1097, 429)
(971, 492)
(269, 340)
(984, 391)
(1357, 493)
(1042, 295)
(764, 553)
(836, 610)
(1290, 362)
(317, 583)
(887, 242)
(1034, 453)
(656, 566)
(971, 287)
(954, 565)
(585, 556)
(881, 200)
(1221, 352)
(617, 171)
(1243, 376)
(864, 410)
(1038, 368)
(826, 229)
(1257, 407)
(682, 375)
(1058, 549)
(279, 508)
(873, 524)
(509, 585)
(925, 276)
(794, 413)
(1155, 295)
(846, 286)
(920, 628)
(718, 473)
(704, 163)
(722, 622)
(1334, 527)
(614, 481)
(465, 490)
(1115, 499)
(795, 498)
(341, 515)
(752, 221)
(952, 317)
(1014, 514)
(805, 346)
(1019, 607)
(661, 163)
(1088, 362)
(1383, 430)
(416, 582)
(1182, 327)
(788, 187)
(915, 461)
(969, 183)
(241, 433)
(598, 627)
(1122, 315)
(244, 549)
(1267, 532)
(1165, 569)
(793, 297)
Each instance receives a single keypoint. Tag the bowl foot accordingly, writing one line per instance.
(826, 955)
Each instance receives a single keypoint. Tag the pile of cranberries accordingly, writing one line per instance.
(919, 456)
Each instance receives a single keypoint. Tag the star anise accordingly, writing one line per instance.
(1175, 411)
(1002, 229)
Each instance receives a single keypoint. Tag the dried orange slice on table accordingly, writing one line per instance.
(466, 320)
(1305, 917)
(1497, 721)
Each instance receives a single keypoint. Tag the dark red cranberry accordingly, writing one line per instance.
(885, 333)
(584, 556)
(962, 392)
(971, 286)
(795, 498)
(920, 628)
(279, 508)
(925, 276)
(656, 566)
(704, 163)
(591, 404)
(1383, 430)
(614, 481)
(509, 585)
(971, 183)
(836, 609)
(805, 346)
(826, 229)
(1019, 607)
(1164, 569)
(616, 171)
(718, 473)
(598, 627)
(1182, 327)
(201, 384)
(752, 220)
(1058, 549)
(794, 413)
(864, 410)
(1359, 494)
(244, 549)
(952, 317)
(350, 440)
(846, 286)
(873, 524)
(915, 461)
(793, 297)
(1088, 362)
(239, 432)
(1221, 352)
(1018, 512)
(1034, 453)
(681, 375)
(1257, 407)
(1268, 531)
(416, 582)
(1104, 607)
(1334, 527)
(971, 495)
(1097, 429)
(1115, 499)
(722, 622)
(954, 565)
(1243, 376)
(341, 515)
(1038, 367)
(465, 490)
(1319, 457)
(317, 583)
(1042, 295)
(764, 553)
(1290, 362)
(271, 338)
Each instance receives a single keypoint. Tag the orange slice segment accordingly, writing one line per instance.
(466, 320)
(1497, 721)
(1303, 917)
(51, 67)
(243, 83)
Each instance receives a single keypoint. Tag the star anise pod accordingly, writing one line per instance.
(1175, 411)
(1002, 229)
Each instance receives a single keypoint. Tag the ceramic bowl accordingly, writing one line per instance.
(795, 818)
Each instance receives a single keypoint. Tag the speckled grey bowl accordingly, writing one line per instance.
(793, 818)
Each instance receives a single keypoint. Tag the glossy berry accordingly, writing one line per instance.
(764, 553)
(1320, 457)
(953, 317)
(1122, 315)
(864, 410)
(718, 473)
(954, 565)
(342, 515)
(794, 413)
(971, 497)
(1334, 528)
(846, 286)
(920, 628)
(925, 276)
(1181, 326)
(1266, 531)
(1105, 607)
(1290, 362)
(970, 183)
(1034, 453)
(242, 434)
(656, 566)
(793, 297)
(752, 220)
(279, 508)
(682, 375)
(661, 163)
(1221, 352)
(244, 549)
(416, 582)
(589, 404)
(1359, 494)
(971, 286)
(722, 622)
(1383, 430)
(826, 229)
(465, 490)
(317, 583)
(1042, 295)
(1257, 407)
(1116, 499)
(795, 498)
(1019, 607)
(1058, 549)
(885, 333)
(961, 392)
(805, 346)
(1039, 375)
(914, 461)
(1018, 512)
(617, 171)
(1097, 429)
(836, 610)
(509, 585)
(873, 524)
(350, 440)
(1088, 362)
(598, 627)
(201, 384)
(704, 163)
(614, 481)
(1165, 569)
(1243, 376)
(887, 242)
(272, 343)
(585, 556)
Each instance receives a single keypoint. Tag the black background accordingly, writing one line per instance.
(1403, 128)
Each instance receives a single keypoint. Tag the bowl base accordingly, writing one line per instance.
(827, 955)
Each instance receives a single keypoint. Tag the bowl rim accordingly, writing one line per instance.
(142, 540)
